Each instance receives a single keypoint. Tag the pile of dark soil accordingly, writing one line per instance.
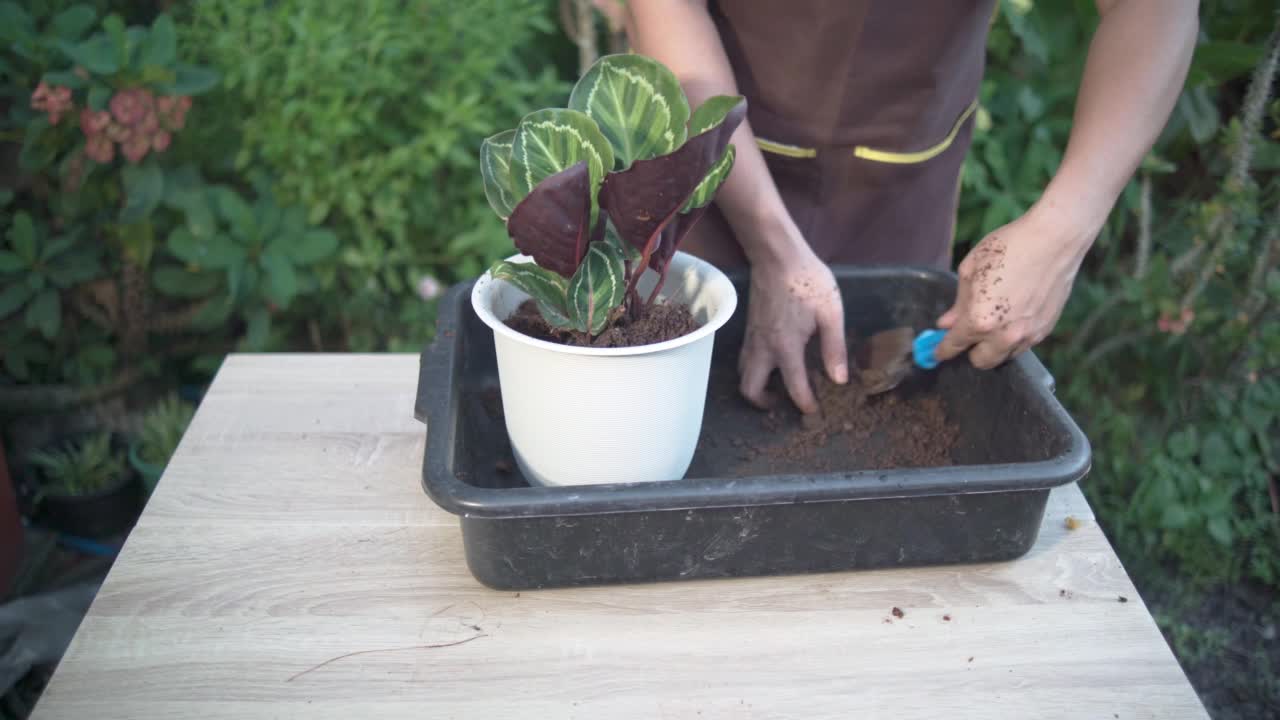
(853, 431)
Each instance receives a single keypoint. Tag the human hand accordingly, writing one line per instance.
(1013, 286)
(790, 299)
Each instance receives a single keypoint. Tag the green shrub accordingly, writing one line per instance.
(119, 259)
(241, 258)
(1167, 351)
(370, 115)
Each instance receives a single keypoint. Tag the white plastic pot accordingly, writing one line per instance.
(589, 416)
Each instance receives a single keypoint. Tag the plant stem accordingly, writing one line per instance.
(1117, 342)
(1144, 228)
(1255, 104)
(656, 287)
(584, 34)
(313, 329)
(37, 398)
(1085, 331)
(175, 321)
(1266, 261)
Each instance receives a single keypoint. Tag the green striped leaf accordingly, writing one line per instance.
(638, 104)
(548, 290)
(597, 288)
(712, 112)
(645, 199)
(711, 182)
(495, 169)
(550, 141)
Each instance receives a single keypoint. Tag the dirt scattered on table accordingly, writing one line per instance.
(1122, 599)
(660, 322)
(1066, 594)
(946, 618)
(897, 612)
(970, 658)
(1071, 523)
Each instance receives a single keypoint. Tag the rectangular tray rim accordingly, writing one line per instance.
(437, 402)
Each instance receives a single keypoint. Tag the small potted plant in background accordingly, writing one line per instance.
(603, 329)
(162, 428)
(85, 487)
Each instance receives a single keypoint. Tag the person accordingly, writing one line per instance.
(860, 113)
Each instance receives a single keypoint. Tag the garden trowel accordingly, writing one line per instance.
(889, 356)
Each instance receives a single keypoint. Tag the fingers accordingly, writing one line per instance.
(948, 319)
(994, 348)
(835, 354)
(796, 378)
(755, 364)
(988, 354)
(960, 337)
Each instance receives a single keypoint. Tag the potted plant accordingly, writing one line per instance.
(603, 330)
(85, 488)
(162, 428)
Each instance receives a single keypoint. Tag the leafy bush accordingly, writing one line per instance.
(97, 105)
(370, 115)
(1169, 346)
(249, 258)
(125, 251)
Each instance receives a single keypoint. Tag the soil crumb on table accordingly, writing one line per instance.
(661, 322)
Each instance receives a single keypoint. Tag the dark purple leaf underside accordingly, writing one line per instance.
(551, 224)
(672, 235)
(644, 199)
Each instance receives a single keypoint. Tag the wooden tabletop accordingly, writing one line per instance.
(289, 565)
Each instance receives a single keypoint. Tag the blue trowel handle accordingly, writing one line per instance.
(924, 345)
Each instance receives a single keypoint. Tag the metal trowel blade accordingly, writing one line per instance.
(884, 359)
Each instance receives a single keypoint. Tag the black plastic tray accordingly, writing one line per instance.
(1017, 442)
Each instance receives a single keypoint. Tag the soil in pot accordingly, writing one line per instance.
(661, 322)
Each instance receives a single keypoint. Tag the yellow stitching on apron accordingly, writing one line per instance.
(910, 158)
(789, 150)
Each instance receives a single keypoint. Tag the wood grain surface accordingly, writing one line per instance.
(290, 531)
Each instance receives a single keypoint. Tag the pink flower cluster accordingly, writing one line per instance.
(56, 101)
(1176, 325)
(138, 121)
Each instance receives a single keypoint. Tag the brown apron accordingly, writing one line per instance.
(863, 110)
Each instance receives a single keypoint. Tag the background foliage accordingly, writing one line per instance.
(1169, 348)
(369, 116)
(318, 191)
(322, 188)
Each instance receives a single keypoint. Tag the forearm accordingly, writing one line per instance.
(681, 35)
(1134, 72)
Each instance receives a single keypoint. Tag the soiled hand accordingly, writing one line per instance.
(1013, 286)
(790, 300)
